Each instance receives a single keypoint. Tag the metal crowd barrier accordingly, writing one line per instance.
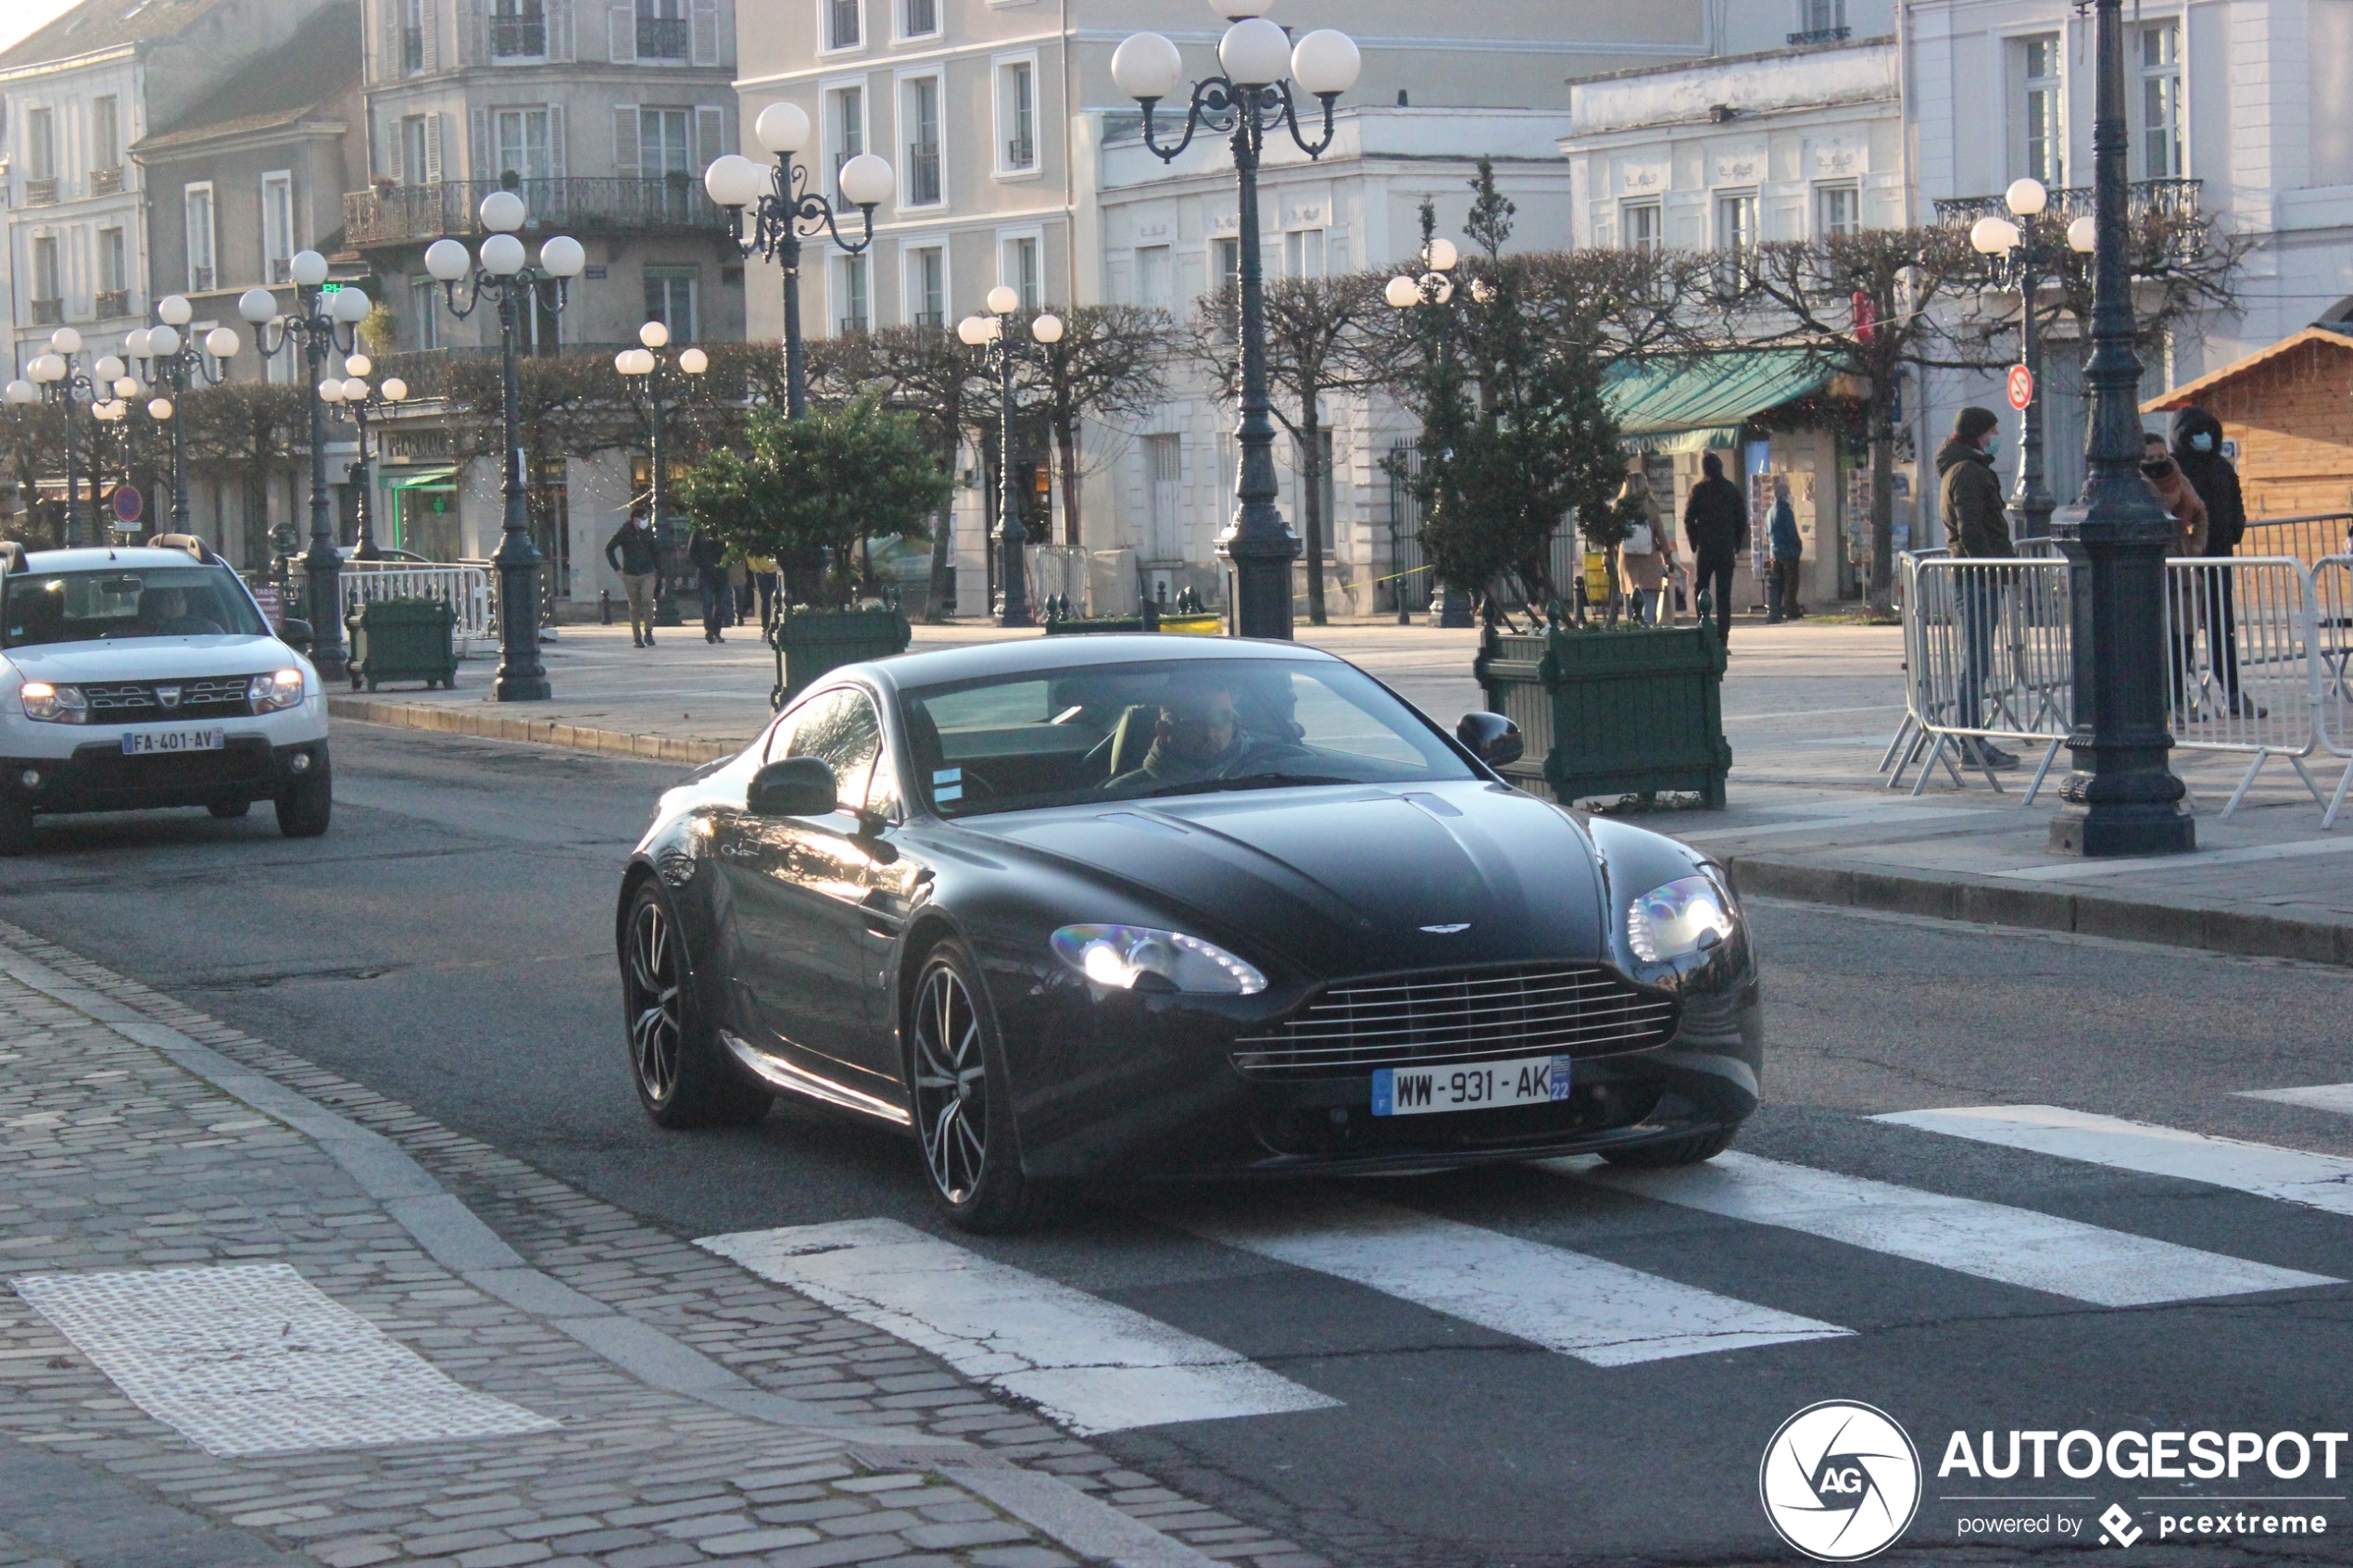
(2310, 537)
(1986, 659)
(466, 589)
(2333, 682)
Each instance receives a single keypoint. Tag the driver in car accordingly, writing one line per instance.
(168, 611)
(1199, 737)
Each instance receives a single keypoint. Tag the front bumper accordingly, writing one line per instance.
(98, 777)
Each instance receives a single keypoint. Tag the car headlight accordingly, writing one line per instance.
(53, 704)
(1684, 916)
(1134, 958)
(271, 693)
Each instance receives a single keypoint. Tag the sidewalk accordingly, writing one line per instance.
(247, 1329)
(1808, 709)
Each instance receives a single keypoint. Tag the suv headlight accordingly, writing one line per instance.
(1681, 918)
(53, 705)
(1134, 958)
(270, 693)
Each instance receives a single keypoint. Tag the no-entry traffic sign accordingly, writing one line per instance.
(2021, 387)
(127, 504)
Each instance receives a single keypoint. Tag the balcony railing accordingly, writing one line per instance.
(108, 303)
(519, 38)
(106, 181)
(662, 38)
(2173, 198)
(852, 324)
(1821, 35)
(48, 312)
(282, 269)
(1021, 153)
(400, 214)
(927, 319)
(199, 278)
(412, 50)
(923, 173)
(40, 192)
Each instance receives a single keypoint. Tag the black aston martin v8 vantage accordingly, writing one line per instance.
(1101, 908)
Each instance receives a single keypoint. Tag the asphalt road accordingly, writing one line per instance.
(449, 944)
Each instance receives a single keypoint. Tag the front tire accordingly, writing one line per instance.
(674, 1055)
(306, 805)
(1691, 1149)
(962, 1102)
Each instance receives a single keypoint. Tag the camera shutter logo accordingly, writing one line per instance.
(1841, 1481)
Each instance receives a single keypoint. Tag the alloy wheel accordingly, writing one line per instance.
(951, 1085)
(655, 1005)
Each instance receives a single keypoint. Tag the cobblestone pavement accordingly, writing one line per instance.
(703, 1415)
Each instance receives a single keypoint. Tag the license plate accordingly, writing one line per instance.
(1485, 1086)
(141, 743)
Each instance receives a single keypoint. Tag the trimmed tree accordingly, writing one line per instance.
(1107, 366)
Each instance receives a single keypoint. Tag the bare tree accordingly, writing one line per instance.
(252, 428)
(1107, 365)
(32, 444)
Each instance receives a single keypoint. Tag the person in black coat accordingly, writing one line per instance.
(2197, 451)
(1715, 521)
(708, 558)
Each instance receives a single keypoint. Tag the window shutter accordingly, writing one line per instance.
(393, 62)
(484, 153)
(621, 34)
(430, 33)
(433, 149)
(710, 133)
(703, 31)
(624, 139)
(473, 33)
(555, 140)
(558, 30)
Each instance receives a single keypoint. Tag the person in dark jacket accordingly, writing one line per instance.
(636, 553)
(1715, 521)
(2197, 451)
(1975, 527)
(1788, 550)
(708, 558)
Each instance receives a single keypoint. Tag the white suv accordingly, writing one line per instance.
(136, 678)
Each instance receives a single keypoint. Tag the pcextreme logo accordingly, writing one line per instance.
(1840, 1481)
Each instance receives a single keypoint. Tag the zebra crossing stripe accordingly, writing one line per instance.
(1595, 1311)
(2319, 1096)
(1091, 1364)
(1989, 1240)
(2292, 1175)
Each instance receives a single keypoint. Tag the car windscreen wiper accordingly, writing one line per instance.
(1243, 781)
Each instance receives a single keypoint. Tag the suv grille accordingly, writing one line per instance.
(136, 702)
(1463, 1016)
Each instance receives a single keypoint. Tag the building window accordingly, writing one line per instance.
(114, 272)
(846, 108)
(199, 199)
(424, 299)
(414, 169)
(412, 37)
(1225, 257)
(1156, 278)
(1017, 114)
(40, 158)
(1838, 209)
(1735, 238)
(521, 145)
(1303, 254)
(1819, 21)
(855, 317)
(2041, 120)
(106, 145)
(2160, 132)
(920, 19)
(928, 287)
(841, 24)
(669, 299)
(518, 31)
(661, 31)
(48, 302)
(1019, 267)
(277, 226)
(922, 141)
(1638, 222)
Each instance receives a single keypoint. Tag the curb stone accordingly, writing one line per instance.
(534, 731)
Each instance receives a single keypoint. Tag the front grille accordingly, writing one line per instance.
(138, 702)
(1465, 1015)
(104, 769)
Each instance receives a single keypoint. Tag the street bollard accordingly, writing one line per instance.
(604, 605)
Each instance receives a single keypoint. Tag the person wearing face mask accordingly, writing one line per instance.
(2197, 448)
(1976, 526)
(2174, 493)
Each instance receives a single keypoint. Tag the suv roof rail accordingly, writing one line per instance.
(11, 556)
(188, 542)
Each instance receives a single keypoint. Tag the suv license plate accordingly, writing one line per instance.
(1486, 1086)
(143, 743)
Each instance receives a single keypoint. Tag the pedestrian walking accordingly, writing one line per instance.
(763, 579)
(1715, 521)
(1647, 553)
(2174, 493)
(2197, 451)
(1788, 550)
(740, 581)
(1976, 527)
(708, 558)
(636, 552)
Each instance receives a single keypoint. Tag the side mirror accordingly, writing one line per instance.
(1491, 737)
(296, 634)
(799, 786)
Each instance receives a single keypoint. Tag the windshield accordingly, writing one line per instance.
(1131, 732)
(118, 602)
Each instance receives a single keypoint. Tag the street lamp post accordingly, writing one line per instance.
(355, 395)
(1430, 294)
(170, 360)
(786, 212)
(1248, 100)
(56, 378)
(503, 276)
(657, 368)
(995, 331)
(322, 325)
(2122, 798)
(2020, 252)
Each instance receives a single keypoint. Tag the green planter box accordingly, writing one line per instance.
(1611, 712)
(402, 640)
(811, 644)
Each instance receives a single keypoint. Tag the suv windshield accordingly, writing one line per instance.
(130, 601)
(1130, 731)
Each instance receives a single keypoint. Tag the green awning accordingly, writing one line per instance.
(1690, 404)
(423, 479)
